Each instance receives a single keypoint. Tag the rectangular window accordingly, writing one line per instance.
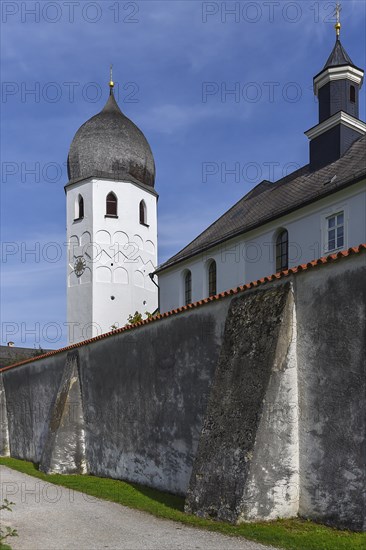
(335, 231)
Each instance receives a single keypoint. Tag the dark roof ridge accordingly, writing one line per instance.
(258, 189)
(296, 173)
(254, 284)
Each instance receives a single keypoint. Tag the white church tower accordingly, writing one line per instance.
(111, 224)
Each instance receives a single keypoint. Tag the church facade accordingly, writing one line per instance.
(111, 224)
(318, 210)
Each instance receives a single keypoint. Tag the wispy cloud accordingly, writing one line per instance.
(170, 118)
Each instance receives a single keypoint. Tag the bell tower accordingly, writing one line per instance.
(111, 208)
(337, 88)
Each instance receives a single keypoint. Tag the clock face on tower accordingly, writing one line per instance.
(79, 266)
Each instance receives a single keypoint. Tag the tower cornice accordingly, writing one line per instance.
(339, 118)
(105, 176)
(344, 72)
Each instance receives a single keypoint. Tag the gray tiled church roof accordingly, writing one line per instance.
(268, 201)
(111, 144)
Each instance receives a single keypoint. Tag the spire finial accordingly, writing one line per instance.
(111, 83)
(337, 14)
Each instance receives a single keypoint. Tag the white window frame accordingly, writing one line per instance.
(334, 211)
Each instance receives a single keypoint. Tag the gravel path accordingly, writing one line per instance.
(49, 517)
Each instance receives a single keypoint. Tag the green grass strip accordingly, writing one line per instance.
(291, 534)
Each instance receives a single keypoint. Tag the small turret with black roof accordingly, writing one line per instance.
(337, 88)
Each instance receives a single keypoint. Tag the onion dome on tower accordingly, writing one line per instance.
(110, 145)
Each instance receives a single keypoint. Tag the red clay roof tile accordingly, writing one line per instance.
(303, 267)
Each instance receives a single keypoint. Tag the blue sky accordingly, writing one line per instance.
(175, 64)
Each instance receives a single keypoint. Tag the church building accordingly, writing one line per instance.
(315, 211)
(249, 405)
(111, 208)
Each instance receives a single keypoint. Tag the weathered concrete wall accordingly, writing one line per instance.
(13, 354)
(331, 316)
(247, 461)
(4, 427)
(272, 488)
(31, 391)
(290, 379)
(64, 448)
(145, 396)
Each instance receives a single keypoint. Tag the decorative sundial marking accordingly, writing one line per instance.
(79, 266)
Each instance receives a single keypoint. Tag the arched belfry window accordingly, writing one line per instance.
(212, 283)
(79, 213)
(111, 206)
(143, 216)
(352, 94)
(81, 207)
(188, 288)
(282, 251)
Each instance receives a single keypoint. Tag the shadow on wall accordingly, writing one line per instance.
(243, 405)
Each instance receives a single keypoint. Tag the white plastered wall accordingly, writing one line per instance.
(251, 256)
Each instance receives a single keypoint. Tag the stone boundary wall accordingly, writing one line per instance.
(252, 405)
(10, 355)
